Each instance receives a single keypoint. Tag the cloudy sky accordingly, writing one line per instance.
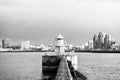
(42, 20)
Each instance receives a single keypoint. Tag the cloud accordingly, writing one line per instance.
(40, 18)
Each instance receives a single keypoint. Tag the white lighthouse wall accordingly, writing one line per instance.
(60, 50)
(60, 43)
(74, 61)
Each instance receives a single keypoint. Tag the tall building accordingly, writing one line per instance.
(86, 46)
(111, 41)
(101, 37)
(106, 42)
(95, 42)
(90, 44)
(5, 43)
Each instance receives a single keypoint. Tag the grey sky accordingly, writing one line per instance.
(42, 20)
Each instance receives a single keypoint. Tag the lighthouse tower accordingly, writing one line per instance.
(60, 50)
(60, 45)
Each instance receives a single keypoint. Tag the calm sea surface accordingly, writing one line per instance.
(27, 66)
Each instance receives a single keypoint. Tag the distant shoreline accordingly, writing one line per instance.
(94, 51)
(88, 51)
(21, 51)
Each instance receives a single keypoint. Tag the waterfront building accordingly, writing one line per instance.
(77, 48)
(42, 48)
(101, 37)
(116, 46)
(25, 45)
(50, 47)
(70, 47)
(111, 41)
(82, 47)
(106, 42)
(95, 42)
(110, 38)
(3, 44)
(45, 49)
(6, 43)
(90, 44)
(86, 47)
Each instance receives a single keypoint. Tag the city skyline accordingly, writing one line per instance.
(41, 21)
(95, 37)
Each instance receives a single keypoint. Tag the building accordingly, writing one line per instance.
(90, 44)
(101, 37)
(111, 41)
(50, 48)
(86, 46)
(6, 43)
(70, 47)
(25, 45)
(82, 47)
(106, 42)
(77, 48)
(3, 44)
(116, 46)
(95, 42)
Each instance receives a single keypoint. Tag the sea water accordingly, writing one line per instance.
(28, 65)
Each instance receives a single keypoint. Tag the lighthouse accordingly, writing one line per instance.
(60, 45)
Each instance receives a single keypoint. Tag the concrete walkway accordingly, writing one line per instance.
(63, 72)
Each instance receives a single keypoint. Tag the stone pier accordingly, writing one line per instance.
(63, 72)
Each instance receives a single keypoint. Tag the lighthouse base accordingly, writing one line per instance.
(53, 66)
